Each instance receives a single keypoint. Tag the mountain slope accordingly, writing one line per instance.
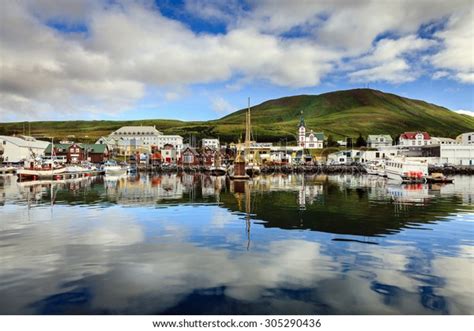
(340, 113)
(350, 112)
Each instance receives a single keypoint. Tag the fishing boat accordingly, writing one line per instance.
(5, 170)
(252, 167)
(406, 171)
(217, 169)
(372, 168)
(36, 171)
(237, 170)
(111, 168)
(438, 178)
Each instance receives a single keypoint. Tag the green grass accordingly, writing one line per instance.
(341, 113)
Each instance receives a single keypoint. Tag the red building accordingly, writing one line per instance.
(77, 152)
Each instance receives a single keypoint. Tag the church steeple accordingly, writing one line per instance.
(302, 132)
(302, 123)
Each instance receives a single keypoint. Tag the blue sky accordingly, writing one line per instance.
(199, 60)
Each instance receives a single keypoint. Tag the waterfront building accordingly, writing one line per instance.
(19, 148)
(190, 156)
(369, 156)
(78, 152)
(131, 138)
(379, 140)
(456, 154)
(465, 138)
(415, 139)
(210, 142)
(309, 140)
(344, 157)
(169, 154)
(175, 140)
(442, 141)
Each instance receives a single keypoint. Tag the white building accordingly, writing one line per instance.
(309, 140)
(175, 140)
(457, 154)
(379, 140)
(345, 157)
(465, 138)
(211, 143)
(19, 148)
(140, 137)
(442, 141)
(415, 139)
(342, 143)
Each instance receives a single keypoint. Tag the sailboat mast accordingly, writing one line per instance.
(247, 128)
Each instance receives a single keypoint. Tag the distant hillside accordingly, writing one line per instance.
(350, 112)
(340, 113)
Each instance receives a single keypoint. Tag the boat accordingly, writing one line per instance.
(5, 170)
(217, 169)
(35, 171)
(252, 167)
(111, 168)
(438, 178)
(372, 168)
(375, 168)
(237, 170)
(406, 171)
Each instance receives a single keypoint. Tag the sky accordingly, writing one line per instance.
(200, 60)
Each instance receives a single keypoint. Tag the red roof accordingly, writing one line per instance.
(412, 135)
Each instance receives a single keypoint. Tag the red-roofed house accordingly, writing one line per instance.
(415, 139)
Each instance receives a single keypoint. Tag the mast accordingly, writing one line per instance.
(247, 128)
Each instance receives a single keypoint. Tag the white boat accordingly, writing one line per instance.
(113, 169)
(37, 172)
(252, 169)
(406, 171)
(218, 170)
(375, 168)
(7, 170)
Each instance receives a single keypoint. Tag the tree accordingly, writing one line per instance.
(331, 142)
(360, 141)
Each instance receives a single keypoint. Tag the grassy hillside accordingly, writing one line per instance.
(341, 113)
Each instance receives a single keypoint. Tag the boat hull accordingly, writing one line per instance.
(218, 171)
(25, 174)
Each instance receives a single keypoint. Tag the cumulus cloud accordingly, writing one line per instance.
(464, 112)
(387, 60)
(221, 106)
(457, 54)
(105, 55)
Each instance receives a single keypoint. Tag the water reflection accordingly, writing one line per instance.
(195, 244)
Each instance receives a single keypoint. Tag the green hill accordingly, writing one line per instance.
(341, 113)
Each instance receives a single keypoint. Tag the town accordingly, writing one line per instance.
(145, 148)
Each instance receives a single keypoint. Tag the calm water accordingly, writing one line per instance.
(193, 244)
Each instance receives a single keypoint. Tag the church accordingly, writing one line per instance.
(309, 140)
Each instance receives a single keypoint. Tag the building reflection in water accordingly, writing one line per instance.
(94, 256)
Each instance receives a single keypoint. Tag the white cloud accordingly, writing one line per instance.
(464, 112)
(127, 47)
(440, 74)
(221, 106)
(387, 60)
(457, 54)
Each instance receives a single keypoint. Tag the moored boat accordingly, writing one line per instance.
(438, 177)
(406, 171)
(111, 168)
(5, 170)
(35, 172)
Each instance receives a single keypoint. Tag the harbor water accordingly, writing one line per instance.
(196, 244)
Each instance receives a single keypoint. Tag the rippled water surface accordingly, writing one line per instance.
(195, 244)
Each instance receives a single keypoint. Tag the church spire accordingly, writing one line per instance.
(302, 123)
